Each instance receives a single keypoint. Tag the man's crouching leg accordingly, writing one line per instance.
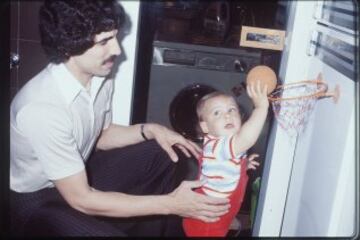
(140, 169)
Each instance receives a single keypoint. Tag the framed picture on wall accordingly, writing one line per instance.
(262, 38)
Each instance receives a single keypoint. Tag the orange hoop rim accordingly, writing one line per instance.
(317, 94)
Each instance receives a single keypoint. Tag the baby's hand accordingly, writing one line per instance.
(258, 94)
(251, 164)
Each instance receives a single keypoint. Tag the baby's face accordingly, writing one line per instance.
(220, 116)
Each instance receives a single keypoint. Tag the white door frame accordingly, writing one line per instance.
(279, 158)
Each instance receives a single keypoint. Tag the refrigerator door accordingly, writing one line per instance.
(321, 193)
(308, 185)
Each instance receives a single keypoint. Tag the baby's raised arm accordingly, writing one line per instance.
(251, 129)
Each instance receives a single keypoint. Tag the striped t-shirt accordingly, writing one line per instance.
(219, 166)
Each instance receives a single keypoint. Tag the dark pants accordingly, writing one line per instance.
(140, 169)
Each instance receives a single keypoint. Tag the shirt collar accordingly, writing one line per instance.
(208, 137)
(69, 86)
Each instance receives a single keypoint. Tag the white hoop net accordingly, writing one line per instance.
(292, 105)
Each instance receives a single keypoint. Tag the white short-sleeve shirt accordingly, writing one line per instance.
(220, 167)
(54, 124)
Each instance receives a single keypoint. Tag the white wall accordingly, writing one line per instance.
(124, 78)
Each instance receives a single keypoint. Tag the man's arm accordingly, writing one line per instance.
(183, 201)
(119, 136)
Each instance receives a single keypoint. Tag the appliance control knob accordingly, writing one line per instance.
(239, 66)
(14, 60)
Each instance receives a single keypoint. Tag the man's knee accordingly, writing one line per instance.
(184, 168)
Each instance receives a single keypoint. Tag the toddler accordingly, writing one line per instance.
(224, 161)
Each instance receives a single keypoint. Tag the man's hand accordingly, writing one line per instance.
(166, 138)
(187, 203)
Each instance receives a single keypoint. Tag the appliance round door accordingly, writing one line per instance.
(182, 112)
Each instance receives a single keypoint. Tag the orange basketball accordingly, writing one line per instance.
(266, 76)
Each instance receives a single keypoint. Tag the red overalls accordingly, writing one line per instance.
(198, 228)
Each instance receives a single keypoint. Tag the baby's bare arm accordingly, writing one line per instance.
(251, 129)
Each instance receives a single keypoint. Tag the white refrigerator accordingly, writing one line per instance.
(309, 184)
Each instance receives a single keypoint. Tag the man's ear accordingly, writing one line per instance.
(204, 127)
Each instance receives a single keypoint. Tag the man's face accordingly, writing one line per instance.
(97, 60)
(220, 116)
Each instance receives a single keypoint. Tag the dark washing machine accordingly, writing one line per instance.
(182, 73)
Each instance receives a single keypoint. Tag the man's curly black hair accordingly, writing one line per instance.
(68, 27)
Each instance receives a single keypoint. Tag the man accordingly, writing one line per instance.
(59, 184)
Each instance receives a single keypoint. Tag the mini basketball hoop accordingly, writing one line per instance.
(293, 103)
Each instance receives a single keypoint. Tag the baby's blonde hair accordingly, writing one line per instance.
(201, 103)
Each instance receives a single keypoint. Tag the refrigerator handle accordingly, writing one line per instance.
(313, 43)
